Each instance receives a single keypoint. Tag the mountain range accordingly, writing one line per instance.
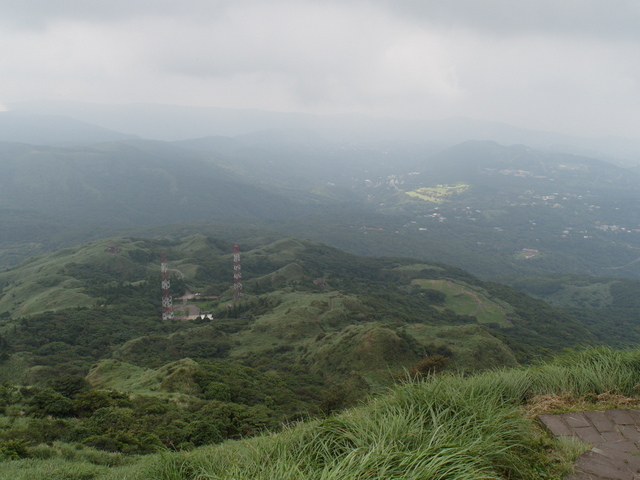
(56, 130)
(171, 122)
(133, 182)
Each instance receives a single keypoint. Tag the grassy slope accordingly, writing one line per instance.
(465, 300)
(454, 427)
(450, 427)
(376, 308)
(52, 282)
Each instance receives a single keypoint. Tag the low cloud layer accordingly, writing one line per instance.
(566, 66)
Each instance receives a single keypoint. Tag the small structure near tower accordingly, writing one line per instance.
(112, 248)
(237, 274)
(167, 301)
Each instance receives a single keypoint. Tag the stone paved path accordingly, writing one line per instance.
(615, 436)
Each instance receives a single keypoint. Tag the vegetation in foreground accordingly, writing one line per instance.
(446, 426)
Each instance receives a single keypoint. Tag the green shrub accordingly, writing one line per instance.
(14, 448)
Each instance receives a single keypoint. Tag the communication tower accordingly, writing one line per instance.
(167, 301)
(237, 274)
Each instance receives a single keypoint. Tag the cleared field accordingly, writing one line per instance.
(438, 193)
(466, 301)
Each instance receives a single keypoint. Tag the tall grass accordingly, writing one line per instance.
(61, 461)
(446, 427)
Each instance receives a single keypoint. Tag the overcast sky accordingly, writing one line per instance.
(571, 66)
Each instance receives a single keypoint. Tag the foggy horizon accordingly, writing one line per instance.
(565, 68)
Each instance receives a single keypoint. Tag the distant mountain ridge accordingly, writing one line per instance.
(135, 182)
(474, 160)
(171, 122)
(54, 130)
(489, 208)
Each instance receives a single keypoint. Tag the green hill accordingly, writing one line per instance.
(340, 317)
(317, 330)
(118, 277)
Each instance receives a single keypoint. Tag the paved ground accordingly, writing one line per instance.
(615, 436)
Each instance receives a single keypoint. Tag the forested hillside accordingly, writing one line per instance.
(315, 331)
(608, 307)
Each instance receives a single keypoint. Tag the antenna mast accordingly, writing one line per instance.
(237, 274)
(167, 301)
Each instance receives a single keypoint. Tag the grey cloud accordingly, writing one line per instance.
(37, 13)
(597, 18)
(564, 64)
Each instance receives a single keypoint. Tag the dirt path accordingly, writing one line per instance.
(625, 266)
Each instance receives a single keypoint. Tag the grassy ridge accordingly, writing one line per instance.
(452, 427)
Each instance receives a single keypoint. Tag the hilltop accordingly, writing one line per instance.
(57, 130)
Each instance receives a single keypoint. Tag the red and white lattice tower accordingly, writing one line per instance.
(237, 274)
(167, 301)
